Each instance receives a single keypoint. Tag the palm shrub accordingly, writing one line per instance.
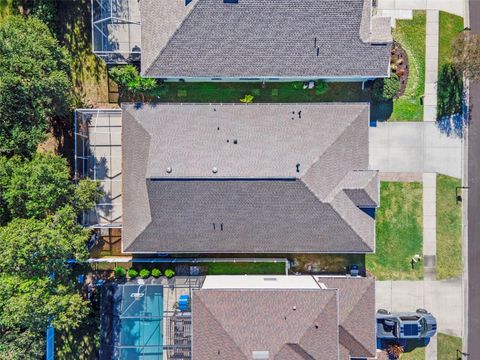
(144, 273)
(394, 351)
(132, 273)
(119, 272)
(169, 273)
(386, 89)
(156, 273)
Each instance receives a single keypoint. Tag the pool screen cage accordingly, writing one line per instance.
(116, 30)
(98, 156)
(142, 321)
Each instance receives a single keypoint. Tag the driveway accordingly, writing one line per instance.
(442, 298)
(417, 147)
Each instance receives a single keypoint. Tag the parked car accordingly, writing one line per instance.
(409, 325)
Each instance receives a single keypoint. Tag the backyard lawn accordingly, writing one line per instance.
(449, 228)
(447, 346)
(399, 232)
(272, 92)
(89, 73)
(222, 268)
(411, 35)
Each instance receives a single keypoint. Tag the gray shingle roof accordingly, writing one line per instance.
(263, 38)
(235, 322)
(231, 324)
(264, 204)
(357, 315)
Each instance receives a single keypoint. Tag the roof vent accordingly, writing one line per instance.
(169, 169)
(260, 355)
(214, 170)
(297, 167)
(294, 308)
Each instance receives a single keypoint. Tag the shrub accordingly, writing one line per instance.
(120, 272)
(385, 89)
(247, 99)
(394, 351)
(132, 273)
(156, 273)
(321, 88)
(169, 273)
(144, 273)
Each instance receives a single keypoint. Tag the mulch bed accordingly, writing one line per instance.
(399, 65)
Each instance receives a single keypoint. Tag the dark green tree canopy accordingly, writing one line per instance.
(35, 84)
(39, 187)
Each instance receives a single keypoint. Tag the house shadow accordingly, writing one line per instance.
(381, 111)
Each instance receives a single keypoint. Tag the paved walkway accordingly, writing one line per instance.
(431, 67)
(452, 6)
(442, 298)
(415, 147)
(429, 225)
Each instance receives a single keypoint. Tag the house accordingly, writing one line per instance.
(256, 178)
(283, 317)
(245, 40)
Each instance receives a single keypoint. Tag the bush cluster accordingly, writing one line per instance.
(120, 272)
(156, 273)
(169, 273)
(385, 89)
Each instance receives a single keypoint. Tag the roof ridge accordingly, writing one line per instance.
(365, 106)
(214, 318)
(354, 339)
(336, 300)
(171, 38)
(344, 219)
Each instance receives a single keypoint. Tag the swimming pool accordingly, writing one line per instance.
(133, 329)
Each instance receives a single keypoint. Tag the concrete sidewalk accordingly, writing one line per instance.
(431, 66)
(429, 225)
(456, 7)
(414, 147)
(442, 298)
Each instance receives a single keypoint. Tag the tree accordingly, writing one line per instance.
(87, 194)
(37, 286)
(35, 85)
(27, 307)
(37, 187)
(466, 54)
(33, 247)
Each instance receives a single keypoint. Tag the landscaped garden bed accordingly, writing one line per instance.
(449, 228)
(399, 232)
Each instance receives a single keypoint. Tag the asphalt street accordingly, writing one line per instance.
(473, 192)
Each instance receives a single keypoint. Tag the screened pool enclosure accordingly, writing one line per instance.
(116, 30)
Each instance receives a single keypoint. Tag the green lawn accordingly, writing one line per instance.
(221, 268)
(450, 84)
(411, 35)
(273, 92)
(450, 26)
(6, 8)
(449, 228)
(447, 346)
(89, 73)
(399, 232)
(415, 354)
